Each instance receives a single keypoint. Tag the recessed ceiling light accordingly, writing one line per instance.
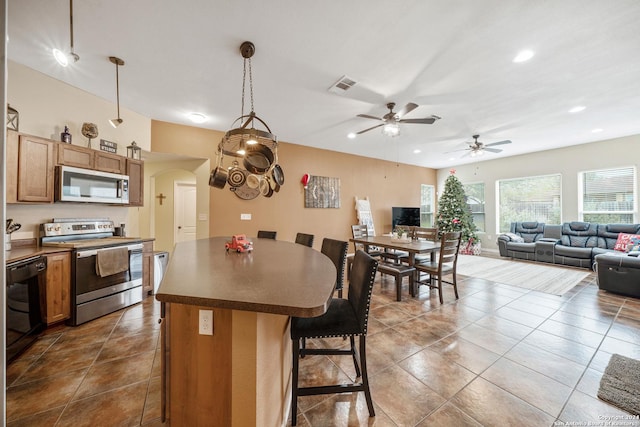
(523, 56)
(197, 117)
(452, 158)
(416, 151)
(597, 130)
(577, 109)
(351, 135)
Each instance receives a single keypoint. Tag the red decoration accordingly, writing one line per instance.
(452, 171)
(305, 180)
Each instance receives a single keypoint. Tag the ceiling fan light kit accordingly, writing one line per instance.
(256, 146)
(391, 121)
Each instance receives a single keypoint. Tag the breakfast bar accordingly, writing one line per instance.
(239, 375)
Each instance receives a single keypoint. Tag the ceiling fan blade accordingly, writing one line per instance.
(492, 150)
(366, 116)
(406, 109)
(366, 130)
(425, 121)
(456, 151)
(506, 141)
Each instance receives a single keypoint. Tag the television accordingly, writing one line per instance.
(405, 216)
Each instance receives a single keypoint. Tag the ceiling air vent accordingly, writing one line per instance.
(341, 86)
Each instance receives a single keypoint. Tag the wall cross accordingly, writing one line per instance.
(161, 197)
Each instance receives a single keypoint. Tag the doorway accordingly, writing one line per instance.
(184, 211)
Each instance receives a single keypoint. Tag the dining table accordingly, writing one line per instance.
(412, 247)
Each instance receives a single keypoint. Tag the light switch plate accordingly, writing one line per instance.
(245, 217)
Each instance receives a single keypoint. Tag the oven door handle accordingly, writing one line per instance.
(92, 252)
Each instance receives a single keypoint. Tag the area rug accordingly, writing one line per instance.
(545, 278)
(620, 384)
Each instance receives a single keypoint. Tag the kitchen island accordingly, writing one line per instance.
(240, 375)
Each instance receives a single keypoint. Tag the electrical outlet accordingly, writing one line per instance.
(245, 217)
(206, 322)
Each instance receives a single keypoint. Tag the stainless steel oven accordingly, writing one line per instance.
(24, 317)
(94, 291)
(95, 295)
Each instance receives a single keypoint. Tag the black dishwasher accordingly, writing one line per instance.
(25, 288)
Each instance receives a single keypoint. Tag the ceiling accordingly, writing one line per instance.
(452, 57)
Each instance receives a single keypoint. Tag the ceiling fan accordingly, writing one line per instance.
(391, 120)
(477, 148)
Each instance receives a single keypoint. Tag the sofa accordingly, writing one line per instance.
(573, 243)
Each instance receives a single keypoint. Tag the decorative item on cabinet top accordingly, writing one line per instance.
(12, 118)
(90, 130)
(258, 172)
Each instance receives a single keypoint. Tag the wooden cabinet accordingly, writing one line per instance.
(108, 162)
(36, 158)
(58, 287)
(147, 268)
(135, 170)
(11, 183)
(31, 162)
(73, 155)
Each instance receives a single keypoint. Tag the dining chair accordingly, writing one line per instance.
(358, 231)
(262, 234)
(425, 233)
(336, 250)
(446, 264)
(344, 317)
(304, 239)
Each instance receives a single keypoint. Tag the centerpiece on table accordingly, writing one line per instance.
(401, 234)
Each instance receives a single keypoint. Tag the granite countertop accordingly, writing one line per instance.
(277, 277)
(19, 252)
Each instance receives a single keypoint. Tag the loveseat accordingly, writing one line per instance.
(571, 243)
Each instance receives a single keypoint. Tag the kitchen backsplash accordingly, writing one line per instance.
(31, 216)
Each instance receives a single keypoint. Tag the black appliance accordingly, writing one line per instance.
(93, 293)
(405, 216)
(24, 318)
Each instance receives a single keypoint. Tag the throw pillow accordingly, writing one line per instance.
(623, 241)
(634, 244)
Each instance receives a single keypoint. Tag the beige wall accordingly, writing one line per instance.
(45, 106)
(569, 162)
(386, 184)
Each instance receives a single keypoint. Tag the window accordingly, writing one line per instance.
(475, 201)
(427, 207)
(534, 198)
(608, 195)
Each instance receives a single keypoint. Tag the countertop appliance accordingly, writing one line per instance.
(90, 186)
(24, 319)
(106, 270)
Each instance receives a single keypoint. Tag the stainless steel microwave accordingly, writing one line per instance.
(89, 186)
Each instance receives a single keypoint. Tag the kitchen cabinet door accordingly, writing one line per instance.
(73, 155)
(108, 162)
(147, 268)
(35, 169)
(58, 287)
(135, 170)
(13, 142)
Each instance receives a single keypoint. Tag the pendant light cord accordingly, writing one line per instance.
(244, 80)
(118, 89)
(71, 23)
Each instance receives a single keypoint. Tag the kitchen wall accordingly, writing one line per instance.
(46, 105)
(385, 183)
(568, 161)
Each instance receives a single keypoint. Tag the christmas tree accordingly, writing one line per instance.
(453, 212)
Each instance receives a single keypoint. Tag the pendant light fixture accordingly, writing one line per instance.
(236, 140)
(61, 57)
(117, 121)
(252, 141)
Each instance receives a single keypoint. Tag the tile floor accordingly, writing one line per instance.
(498, 356)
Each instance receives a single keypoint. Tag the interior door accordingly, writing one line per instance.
(185, 211)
